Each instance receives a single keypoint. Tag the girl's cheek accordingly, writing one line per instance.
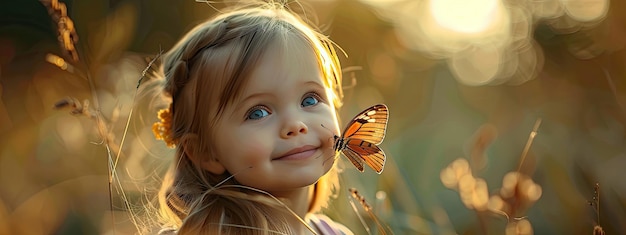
(257, 151)
(336, 130)
(332, 123)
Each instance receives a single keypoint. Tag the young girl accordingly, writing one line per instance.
(253, 95)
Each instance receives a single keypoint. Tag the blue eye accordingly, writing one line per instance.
(309, 101)
(257, 113)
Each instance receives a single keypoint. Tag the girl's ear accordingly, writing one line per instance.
(200, 156)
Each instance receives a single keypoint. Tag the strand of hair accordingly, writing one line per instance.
(275, 199)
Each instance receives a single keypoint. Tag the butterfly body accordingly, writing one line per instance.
(359, 141)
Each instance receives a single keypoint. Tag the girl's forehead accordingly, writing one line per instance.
(287, 59)
(287, 54)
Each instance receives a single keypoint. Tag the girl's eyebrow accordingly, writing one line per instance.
(243, 102)
(254, 96)
(314, 83)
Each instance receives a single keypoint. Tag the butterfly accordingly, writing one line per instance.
(359, 141)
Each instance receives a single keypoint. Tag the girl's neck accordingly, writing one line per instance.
(298, 201)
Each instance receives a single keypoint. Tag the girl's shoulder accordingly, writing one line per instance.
(326, 226)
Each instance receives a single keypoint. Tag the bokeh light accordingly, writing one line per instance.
(465, 16)
(477, 66)
(521, 227)
(489, 42)
(464, 81)
(586, 10)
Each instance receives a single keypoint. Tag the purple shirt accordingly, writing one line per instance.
(326, 226)
(320, 223)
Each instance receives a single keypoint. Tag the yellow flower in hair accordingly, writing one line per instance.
(163, 128)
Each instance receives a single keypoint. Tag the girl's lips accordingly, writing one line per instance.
(298, 153)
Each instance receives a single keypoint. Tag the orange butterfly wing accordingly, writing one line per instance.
(361, 137)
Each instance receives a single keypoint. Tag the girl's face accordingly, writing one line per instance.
(279, 135)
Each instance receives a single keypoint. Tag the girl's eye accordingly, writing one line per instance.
(257, 113)
(310, 100)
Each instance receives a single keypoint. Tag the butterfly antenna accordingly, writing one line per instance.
(334, 135)
(335, 156)
(326, 128)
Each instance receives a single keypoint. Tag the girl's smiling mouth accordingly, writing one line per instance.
(298, 153)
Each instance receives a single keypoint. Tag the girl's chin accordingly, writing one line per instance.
(284, 186)
(304, 177)
(307, 181)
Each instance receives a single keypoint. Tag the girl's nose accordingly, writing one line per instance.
(293, 127)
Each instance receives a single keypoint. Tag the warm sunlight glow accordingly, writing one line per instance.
(477, 66)
(586, 10)
(379, 3)
(467, 16)
(129, 118)
(547, 8)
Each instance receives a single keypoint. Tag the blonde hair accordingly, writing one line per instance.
(211, 63)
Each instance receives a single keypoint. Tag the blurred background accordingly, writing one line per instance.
(506, 117)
